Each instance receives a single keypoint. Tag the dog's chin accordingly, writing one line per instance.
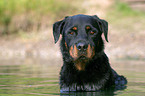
(81, 58)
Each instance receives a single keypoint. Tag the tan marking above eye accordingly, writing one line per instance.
(88, 27)
(75, 28)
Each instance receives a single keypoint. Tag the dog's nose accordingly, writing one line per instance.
(82, 46)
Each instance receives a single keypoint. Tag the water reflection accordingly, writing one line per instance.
(41, 77)
(101, 93)
(107, 92)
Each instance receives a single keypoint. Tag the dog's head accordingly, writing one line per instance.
(81, 35)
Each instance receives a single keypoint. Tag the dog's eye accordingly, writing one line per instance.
(71, 33)
(92, 32)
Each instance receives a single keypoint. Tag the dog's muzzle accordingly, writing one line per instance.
(81, 50)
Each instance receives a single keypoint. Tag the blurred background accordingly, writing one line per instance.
(28, 51)
(26, 26)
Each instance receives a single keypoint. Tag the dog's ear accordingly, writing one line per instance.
(103, 26)
(58, 28)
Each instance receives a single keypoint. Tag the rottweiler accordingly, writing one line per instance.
(85, 65)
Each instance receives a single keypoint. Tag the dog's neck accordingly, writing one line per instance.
(80, 65)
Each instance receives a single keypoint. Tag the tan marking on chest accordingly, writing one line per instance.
(80, 66)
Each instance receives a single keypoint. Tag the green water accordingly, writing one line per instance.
(40, 77)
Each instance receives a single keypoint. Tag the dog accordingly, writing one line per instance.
(85, 65)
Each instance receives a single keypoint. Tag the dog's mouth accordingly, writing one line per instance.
(82, 58)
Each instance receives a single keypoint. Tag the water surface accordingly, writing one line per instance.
(32, 77)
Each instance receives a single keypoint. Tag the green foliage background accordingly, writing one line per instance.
(33, 11)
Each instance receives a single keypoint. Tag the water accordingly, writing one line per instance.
(31, 77)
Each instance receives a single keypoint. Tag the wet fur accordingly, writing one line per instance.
(97, 74)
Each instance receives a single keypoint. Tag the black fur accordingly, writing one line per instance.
(98, 75)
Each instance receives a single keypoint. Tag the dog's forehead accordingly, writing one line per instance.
(80, 20)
